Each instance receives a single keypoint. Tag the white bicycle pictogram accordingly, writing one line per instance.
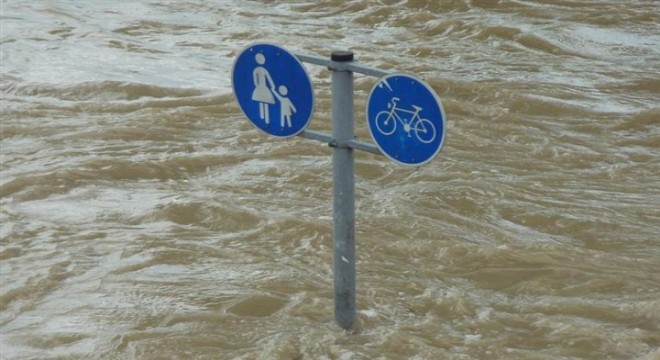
(386, 122)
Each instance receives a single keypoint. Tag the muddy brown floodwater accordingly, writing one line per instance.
(143, 217)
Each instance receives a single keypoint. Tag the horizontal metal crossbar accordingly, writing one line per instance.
(350, 66)
(353, 144)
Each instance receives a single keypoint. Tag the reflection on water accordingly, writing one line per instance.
(143, 217)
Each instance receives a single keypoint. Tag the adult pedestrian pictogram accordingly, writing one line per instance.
(263, 82)
(406, 119)
(273, 89)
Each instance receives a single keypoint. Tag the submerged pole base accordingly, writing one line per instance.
(345, 309)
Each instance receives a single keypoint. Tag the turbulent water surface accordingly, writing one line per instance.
(143, 217)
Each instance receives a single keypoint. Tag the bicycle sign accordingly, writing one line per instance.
(406, 119)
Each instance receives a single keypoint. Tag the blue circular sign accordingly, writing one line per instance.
(406, 119)
(273, 90)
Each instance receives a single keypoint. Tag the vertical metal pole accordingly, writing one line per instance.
(343, 229)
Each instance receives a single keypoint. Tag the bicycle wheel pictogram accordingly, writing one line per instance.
(425, 131)
(385, 123)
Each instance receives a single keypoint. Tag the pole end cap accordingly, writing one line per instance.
(341, 55)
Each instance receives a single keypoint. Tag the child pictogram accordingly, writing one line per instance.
(286, 106)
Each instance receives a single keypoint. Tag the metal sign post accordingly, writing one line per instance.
(343, 229)
(266, 76)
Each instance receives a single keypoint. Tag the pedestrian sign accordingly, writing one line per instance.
(406, 119)
(273, 90)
